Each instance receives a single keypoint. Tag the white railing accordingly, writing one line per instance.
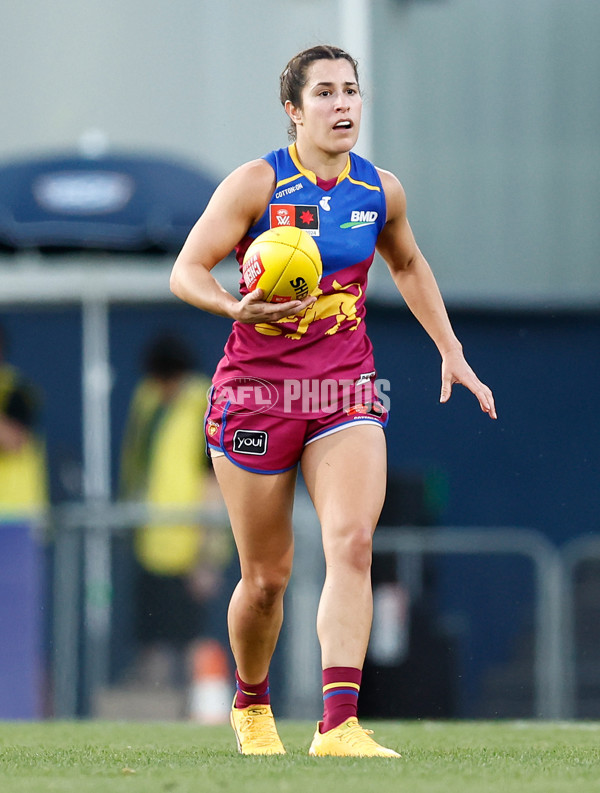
(549, 661)
(576, 551)
(83, 531)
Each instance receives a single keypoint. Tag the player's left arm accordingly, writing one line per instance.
(417, 285)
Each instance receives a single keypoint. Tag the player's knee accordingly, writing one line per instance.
(356, 548)
(269, 587)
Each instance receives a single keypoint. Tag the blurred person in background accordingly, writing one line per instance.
(23, 470)
(179, 563)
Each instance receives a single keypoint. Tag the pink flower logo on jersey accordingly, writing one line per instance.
(243, 394)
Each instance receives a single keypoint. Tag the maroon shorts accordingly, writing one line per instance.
(267, 444)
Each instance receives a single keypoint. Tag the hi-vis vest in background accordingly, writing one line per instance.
(23, 478)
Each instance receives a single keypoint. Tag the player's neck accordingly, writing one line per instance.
(325, 165)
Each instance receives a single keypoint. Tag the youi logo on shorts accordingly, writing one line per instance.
(250, 442)
(359, 218)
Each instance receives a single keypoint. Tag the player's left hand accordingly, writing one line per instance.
(455, 369)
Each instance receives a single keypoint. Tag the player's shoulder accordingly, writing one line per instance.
(394, 192)
(248, 186)
(256, 173)
(389, 180)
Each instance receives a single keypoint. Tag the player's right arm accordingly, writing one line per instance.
(237, 203)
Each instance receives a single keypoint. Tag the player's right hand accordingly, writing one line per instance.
(252, 308)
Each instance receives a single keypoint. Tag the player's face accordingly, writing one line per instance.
(331, 107)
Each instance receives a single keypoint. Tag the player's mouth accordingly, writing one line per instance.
(345, 124)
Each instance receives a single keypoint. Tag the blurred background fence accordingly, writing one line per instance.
(416, 665)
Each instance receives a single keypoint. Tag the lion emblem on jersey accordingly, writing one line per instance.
(340, 305)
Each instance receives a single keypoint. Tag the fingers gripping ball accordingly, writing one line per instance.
(285, 263)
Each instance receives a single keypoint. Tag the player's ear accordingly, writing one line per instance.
(295, 113)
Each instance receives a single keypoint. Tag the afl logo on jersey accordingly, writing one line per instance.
(281, 216)
(299, 215)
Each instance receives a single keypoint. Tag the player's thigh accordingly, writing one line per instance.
(260, 511)
(345, 474)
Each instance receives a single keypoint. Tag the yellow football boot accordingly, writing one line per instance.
(255, 730)
(348, 739)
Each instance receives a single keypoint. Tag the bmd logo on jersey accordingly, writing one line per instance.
(359, 218)
(250, 442)
(299, 215)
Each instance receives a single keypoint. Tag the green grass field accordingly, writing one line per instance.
(437, 757)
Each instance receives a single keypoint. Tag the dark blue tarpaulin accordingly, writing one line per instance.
(118, 203)
(20, 623)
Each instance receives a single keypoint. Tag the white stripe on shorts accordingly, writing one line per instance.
(341, 427)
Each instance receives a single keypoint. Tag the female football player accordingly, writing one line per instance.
(299, 348)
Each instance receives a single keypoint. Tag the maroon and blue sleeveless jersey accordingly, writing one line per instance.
(328, 341)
